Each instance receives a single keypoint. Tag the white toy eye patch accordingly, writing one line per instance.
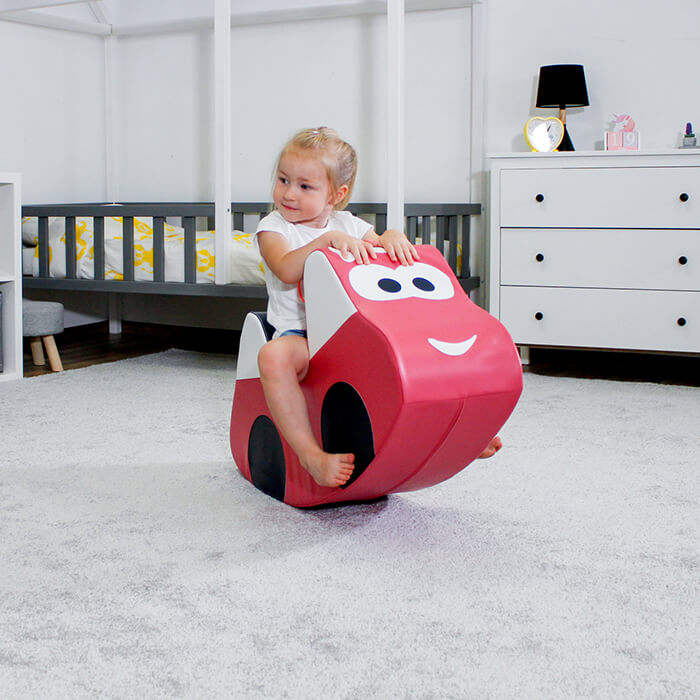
(380, 283)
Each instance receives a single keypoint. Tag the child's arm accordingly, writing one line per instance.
(288, 265)
(398, 247)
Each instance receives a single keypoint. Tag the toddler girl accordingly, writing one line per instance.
(315, 176)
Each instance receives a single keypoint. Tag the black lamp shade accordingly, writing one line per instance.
(562, 86)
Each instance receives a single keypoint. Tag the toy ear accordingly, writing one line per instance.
(328, 305)
(255, 333)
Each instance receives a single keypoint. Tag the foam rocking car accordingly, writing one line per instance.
(406, 373)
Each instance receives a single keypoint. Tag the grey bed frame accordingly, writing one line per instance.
(450, 222)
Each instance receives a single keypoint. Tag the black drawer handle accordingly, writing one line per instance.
(684, 197)
(683, 260)
(539, 257)
(681, 321)
(539, 316)
(540, 197)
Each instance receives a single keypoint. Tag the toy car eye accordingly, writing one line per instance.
(427, 281)
(389, 285)
(377, 282)
(423, 284)
(382, 283)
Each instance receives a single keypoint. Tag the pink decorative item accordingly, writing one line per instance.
(623, 136)
(623, 122)
(406, 373)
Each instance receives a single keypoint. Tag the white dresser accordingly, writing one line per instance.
(597, 249)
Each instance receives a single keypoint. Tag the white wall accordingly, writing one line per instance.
(164, 142)
(640, 58)
(52, 115)
(286, 77)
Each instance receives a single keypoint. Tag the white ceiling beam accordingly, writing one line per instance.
(54, 22)
(12, 5)
(18, 11)
(295, 14)
(99, 12)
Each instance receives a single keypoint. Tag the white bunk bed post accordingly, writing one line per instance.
(395, 115)
(222, 141)
(478, 190)
(111, 180)
(114, 302)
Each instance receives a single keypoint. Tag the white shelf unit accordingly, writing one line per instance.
(10, 276)
(597, 249)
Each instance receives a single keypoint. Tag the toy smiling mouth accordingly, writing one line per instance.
(453, 349)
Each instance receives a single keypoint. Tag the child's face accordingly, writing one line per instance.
(302, 192)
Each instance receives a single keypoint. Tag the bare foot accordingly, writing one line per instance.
(330, 469)
(492, 448)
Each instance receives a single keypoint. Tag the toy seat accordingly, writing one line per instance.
(406, 373)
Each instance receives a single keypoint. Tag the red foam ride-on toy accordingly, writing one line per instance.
(406, 373)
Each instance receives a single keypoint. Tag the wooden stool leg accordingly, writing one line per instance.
(52, 352)
(37, 352)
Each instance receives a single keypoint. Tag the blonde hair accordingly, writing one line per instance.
(338, 157)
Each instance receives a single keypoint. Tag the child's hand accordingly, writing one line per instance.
(398, 247)
(361, 250)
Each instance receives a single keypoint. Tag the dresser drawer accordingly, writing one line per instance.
(626, 319)
(613, 258)
(641, 197)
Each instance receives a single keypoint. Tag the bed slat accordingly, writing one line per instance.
(411, 228)
(466, 270)
(425, 229)
(452, 231)
(71, 253)
(44, 246)
(189, 223)
(440, 234)
(128, 248)
(99, 246)
(158, 248)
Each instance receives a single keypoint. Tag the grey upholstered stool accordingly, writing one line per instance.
(41, 320)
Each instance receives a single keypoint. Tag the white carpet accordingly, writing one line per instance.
(135, 562)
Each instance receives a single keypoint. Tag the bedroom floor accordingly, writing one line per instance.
(92, 344)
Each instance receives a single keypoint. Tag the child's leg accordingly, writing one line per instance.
(283, 363)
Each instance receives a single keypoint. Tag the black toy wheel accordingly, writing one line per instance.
(346, 427)
(266, 458)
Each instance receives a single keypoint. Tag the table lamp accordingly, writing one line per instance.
(562, 86)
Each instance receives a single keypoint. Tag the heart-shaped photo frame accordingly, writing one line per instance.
(544, 134)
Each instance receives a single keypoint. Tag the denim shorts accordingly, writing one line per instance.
(292, 331)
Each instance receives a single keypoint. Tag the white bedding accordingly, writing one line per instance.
(246, 264)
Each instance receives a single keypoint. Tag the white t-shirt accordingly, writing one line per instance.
(285, 309)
